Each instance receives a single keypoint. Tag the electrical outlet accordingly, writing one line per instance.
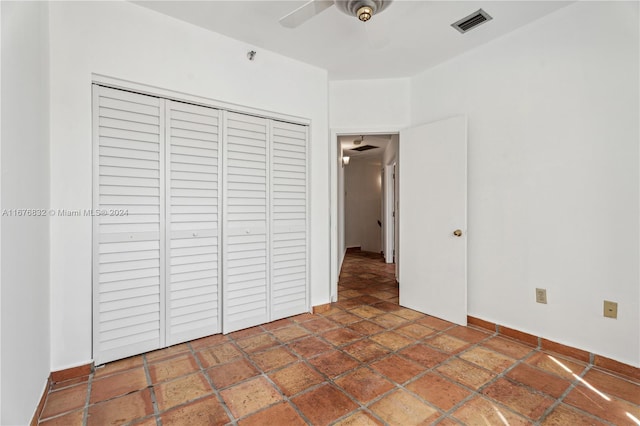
(541, 295)
(610, 309)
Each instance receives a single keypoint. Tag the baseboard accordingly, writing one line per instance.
(549, 345)
(321, 308)
(71, 373)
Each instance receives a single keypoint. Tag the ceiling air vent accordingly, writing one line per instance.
(363, 148)
(469, 22)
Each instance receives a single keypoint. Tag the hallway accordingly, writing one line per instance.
(364, 361)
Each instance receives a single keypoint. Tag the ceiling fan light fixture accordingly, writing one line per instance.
(364, 13)
(362, 9)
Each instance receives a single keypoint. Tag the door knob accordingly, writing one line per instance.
(457, 232)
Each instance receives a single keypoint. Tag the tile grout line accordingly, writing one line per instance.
(215, 390)
(152, 392)
(85, 413)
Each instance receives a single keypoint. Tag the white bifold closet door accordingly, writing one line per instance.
(193, 200)
(246, 200)
(128, 233)
(289, 240)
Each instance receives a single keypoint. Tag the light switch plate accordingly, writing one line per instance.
(541, 295)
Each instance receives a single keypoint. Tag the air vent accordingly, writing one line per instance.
(470, 22)
(364, 148)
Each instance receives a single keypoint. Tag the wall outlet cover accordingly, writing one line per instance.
(610, 309)
(541, 295)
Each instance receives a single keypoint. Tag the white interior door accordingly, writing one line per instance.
(433, 206)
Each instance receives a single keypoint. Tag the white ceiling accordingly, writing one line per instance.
(405, 39)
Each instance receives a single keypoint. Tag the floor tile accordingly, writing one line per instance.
(341, 336)
(333, 363)
(273, 358)
(274, 325)
(480, 411)
(208, 341)
(364, 384)
(563, 415)
(334, 405)
(231, 373)
(508, 347)
(170, 368)
(366, 350)
(179, 391)
(250, 396)
(118, 384)
(296, 378)
(606, 407)
(435, 323)
(447, 344)
(247, 332)
(257, 343)
(121, 410)
(219, 354)
(68, 383)
(64, 400)
(465, 373)
(392, 340)
(398, 369)
(309, 347)
(290, 333)
(70, 419)
(359, 418)
(556, 365)
(202, 412)
(169, 352)
(518, 398)
(468, 334)
(280, 414)
(415, 331)
(344, 318)
(539, 380)
(366, 327)
(118, 366)
(424, 355)
(488, 359)
(389, 320)
(366, 311)
(439, 391)
(613, 385)
(402, 408)
(319, 325)
(409, 314)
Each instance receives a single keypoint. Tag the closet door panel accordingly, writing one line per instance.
(193, 257)
(289, 236)
(246, 195)
(128, 174)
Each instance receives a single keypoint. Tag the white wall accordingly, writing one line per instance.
(24, 277)
(123, 40)
(369, 104)
(553, 173)
(363, 201)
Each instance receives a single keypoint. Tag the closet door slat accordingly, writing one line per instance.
(193, 258)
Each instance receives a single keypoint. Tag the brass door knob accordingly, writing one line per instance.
(457, 232)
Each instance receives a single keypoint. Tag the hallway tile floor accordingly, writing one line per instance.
(366, 361)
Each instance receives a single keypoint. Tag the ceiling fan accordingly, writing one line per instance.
(362, 9)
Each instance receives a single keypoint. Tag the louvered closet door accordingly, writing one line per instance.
(289, 244)
(128, 285)
(193, 302)
(246, 286)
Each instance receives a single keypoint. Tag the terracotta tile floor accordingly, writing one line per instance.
(366, 361)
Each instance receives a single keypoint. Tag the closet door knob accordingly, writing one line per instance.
(457, 232)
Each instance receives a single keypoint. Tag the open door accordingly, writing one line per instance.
(433, 219)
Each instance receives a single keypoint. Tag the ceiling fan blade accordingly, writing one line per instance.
(304, 13)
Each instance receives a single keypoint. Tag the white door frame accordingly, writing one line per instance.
(389, 201)
(336, 255)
